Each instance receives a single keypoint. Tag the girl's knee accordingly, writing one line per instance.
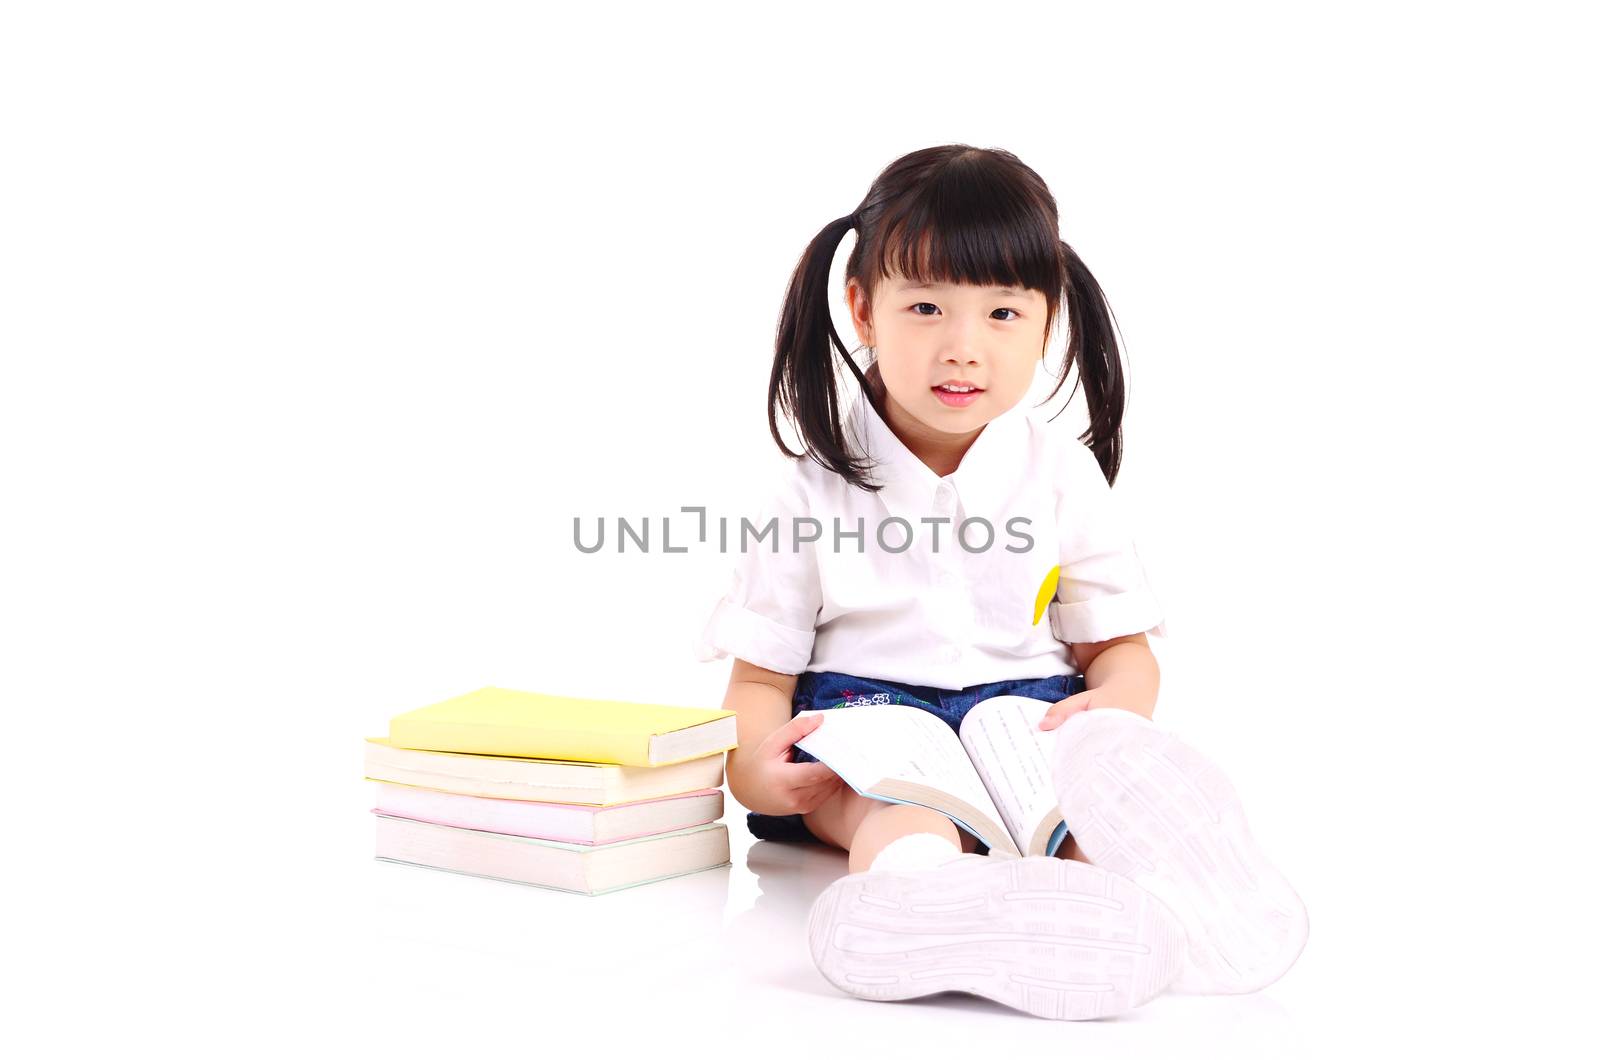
(841, 819)
(897, 819)
(837, 819)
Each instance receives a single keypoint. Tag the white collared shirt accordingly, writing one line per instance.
(937, 613)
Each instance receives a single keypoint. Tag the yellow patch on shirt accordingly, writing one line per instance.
(1047, 592)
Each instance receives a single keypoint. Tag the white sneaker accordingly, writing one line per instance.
(1054, 938)
(1144, 805)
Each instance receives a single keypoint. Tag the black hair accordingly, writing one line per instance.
(948, 214)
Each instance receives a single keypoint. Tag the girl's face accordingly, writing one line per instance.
(927, 335)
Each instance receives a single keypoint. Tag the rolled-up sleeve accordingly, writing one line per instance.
(768, 616)
(1104, 591)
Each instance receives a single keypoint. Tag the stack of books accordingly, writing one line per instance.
(578, 795)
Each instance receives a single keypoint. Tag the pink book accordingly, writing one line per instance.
(556, 821)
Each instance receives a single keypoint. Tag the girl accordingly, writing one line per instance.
(918, 584)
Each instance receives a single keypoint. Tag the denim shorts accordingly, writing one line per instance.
(827, 690)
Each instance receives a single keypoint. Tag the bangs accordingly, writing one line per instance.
(959, 231)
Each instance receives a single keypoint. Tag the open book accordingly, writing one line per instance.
(993, 780)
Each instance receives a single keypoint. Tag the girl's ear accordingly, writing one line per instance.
(860, 311)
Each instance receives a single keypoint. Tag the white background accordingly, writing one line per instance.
(322, 322)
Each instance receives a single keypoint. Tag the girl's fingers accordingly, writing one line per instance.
(808, 774)
(798, 726)
(817, 794)
(1063, 710)
(828, 783)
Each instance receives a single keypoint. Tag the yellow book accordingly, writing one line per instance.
(502, 721)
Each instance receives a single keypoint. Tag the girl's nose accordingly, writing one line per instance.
(961, 342)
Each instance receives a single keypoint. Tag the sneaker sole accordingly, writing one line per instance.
(1145, 805)
(1054, 938)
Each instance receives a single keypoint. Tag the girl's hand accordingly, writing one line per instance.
(1088, 699)
(778, 785)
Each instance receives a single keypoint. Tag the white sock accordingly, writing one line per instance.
(919, 850)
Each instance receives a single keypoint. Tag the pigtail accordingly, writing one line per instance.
(803, 386)
(1093, 348)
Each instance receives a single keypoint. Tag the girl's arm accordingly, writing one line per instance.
(761, 773)
(1103, 588)
(763, 699)
(1120, 672)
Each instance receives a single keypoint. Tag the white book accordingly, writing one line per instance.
(993, 780)
(557, 821)
(574, 867)
(537, 779)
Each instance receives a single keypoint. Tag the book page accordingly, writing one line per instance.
(899, 748)
(1012, 756)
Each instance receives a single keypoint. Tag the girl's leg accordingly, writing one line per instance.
(865, 826)
(1068, 851)
(1028, 933)
(888, 821)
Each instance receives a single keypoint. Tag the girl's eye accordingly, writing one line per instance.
(930, 305)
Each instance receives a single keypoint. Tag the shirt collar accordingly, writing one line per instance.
(993, 464)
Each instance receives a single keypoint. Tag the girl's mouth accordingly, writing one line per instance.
(956, 400)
